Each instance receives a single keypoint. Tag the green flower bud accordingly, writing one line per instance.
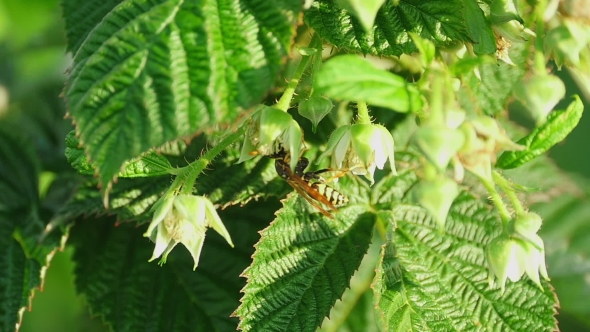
(436, 196)
(438, 144)
(539, 94)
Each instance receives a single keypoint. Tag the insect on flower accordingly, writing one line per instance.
(310, 185)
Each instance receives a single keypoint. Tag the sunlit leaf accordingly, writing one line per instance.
(441, 22)
(154, 71)
(557, 126)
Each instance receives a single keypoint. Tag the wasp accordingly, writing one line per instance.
(310, 185)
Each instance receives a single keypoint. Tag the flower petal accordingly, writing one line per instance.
(162, 208)
(162, 240)
(215, 222)
(335, 138)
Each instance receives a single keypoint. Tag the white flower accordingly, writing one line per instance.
(518, 251)
(361, 148)
(183, 219)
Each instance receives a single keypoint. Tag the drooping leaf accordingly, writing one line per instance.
(299, 257)
(152, 71)
(489, 92)
(132, 294)
(26, 242)
(557, 126)
(348, 77)
(441, 22)
(429, 281)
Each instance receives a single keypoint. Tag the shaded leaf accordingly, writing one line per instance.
(490, 92)
(365, 11)
(556, 128)
(298, 257)
(130, 294)
(349, 77)
(441, 22)
(19, 169)
(153, 71)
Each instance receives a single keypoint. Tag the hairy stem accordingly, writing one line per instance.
(497, 200)
(186, 176)
(285, 100)
(507, 188)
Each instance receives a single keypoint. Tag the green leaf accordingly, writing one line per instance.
(131, 294)
(81, 17)
(154, 71)
(148, 165)
(441, 22)
(27, 246)
(484, 40)
(428, 281)
(19, 169)
(558, 125)
(303, 264)
(365, 11)
(348, 77)
(19, 277)
(356, 310)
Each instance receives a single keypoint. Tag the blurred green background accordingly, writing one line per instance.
(33, 62)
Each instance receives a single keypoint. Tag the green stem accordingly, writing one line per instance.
(507, 188)
(186, 176)
(363, 113)
(497, 200)
(285, 100)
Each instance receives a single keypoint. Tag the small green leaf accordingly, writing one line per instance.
(364, 10)
(298, 257)
(484, 40)
(441, 22)
(489, 91)
(148, 165)
(349, 77)
(19, 172)
(315, 109)
(558, 125)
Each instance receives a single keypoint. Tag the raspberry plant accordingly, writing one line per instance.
(179, 108)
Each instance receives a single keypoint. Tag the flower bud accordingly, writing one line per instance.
(436, 196)
(315, 109)
(539, 94)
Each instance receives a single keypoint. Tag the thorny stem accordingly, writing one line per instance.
(497, 200)
(186, 176)
(506, 188)
(363, 113)
(285, 100)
